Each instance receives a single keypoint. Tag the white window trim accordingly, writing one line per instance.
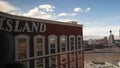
(71, 36)
(63, 36)
(66, 61)
(52, 36)
(79, 36)
(16, 48)
(74, 59)
(43, 46)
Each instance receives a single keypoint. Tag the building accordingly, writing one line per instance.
(111, 39)
(44, 43)
(105, 41)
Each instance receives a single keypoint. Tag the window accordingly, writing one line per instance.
(39, 51)
(52, 44)
(22, 48)
(72, 42)
(53, 61)
(72, 60)
(79, 42)
(39, 45)
(63, 60)
(79, 53)
(63, 43)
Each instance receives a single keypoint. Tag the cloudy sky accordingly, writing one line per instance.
(98, 17)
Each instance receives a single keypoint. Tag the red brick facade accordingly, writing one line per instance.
(44, 43)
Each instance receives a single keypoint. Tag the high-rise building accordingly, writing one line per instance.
(43, 43)
(111, 39)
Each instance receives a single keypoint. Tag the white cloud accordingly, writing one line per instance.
(47, 7)
(63, 14)
(7, 7)
(67, 20)
(33, 12)
(67, 14)
(101, 30)
(78, 9)
(42, 11)
(64, 20)
(45, 11)
(73, 14)
(88, 9)
(37, 13)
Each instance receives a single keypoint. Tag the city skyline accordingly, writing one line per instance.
(97, 16)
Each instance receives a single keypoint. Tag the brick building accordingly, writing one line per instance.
(43, 43)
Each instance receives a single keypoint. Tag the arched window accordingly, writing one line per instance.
(79, 53)
(79, 42)
(52, 44)
(22, 48)
(63, 43)
(39, 50)
(39, 43)
(71, 42)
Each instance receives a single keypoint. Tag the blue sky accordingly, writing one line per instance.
(97, 16)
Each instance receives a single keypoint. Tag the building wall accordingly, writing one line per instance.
(39, 41)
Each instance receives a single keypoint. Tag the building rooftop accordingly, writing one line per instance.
(71, 23)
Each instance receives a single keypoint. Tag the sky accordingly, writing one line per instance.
(98, 17)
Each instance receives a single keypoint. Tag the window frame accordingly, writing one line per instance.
(27, 46)
(49, 37)
(79, 36)
(63, 36)
(43, 51)
(71, 36)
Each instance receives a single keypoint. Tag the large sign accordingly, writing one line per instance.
(21, 25)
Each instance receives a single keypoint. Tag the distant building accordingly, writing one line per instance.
(91, 42)
(111, 39)
(87, 46)
(105, 41)
(43, 43)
